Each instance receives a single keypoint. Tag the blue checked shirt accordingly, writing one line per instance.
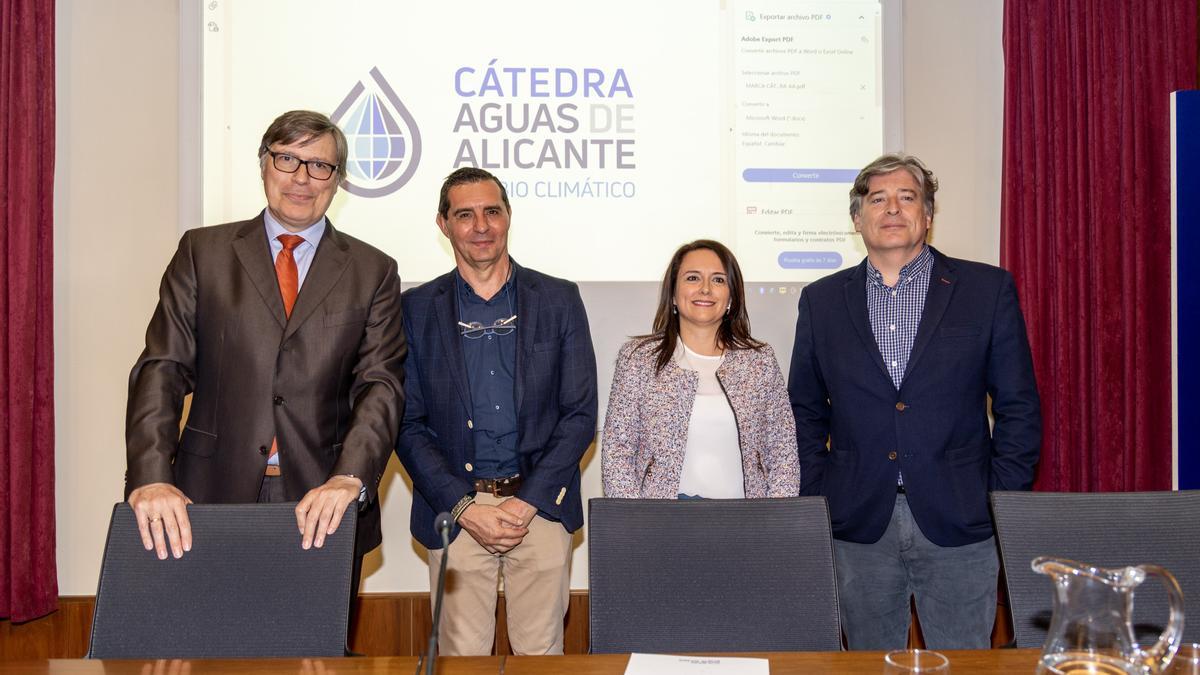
(896, 312)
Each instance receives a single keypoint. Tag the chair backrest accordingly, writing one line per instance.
(246, 589)
(1111, 529)
(711, 575)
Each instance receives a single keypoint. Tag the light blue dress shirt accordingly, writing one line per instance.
(304, 252)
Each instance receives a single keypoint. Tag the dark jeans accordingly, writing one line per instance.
(954, 588)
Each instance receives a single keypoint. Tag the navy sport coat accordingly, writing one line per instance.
(855, 430)
(555, 396)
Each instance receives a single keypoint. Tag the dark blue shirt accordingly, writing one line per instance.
(491, 360)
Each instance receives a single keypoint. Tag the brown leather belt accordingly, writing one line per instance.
(500, 487)
(272, 470)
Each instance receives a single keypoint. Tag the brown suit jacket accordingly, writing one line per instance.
(328, 382)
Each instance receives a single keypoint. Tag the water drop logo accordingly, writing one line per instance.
(385, 144)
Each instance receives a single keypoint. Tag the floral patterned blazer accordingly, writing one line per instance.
(646, 428)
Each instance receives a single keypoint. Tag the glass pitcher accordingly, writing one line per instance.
(1092, 628)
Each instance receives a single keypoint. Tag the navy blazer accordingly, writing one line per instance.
(854, 429)
(555, 398)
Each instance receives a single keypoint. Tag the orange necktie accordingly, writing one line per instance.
(289, 286)
(285, 271)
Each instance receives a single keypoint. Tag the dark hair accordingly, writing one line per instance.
(466, 176)
(734, 332)
(303, 126)
(888, 164)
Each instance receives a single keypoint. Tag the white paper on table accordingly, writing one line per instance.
(664, 664)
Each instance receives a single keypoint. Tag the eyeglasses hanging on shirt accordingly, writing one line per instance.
(474, 330)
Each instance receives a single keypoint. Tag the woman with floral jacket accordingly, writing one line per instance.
(699, 408)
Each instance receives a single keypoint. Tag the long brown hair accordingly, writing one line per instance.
(734, 331)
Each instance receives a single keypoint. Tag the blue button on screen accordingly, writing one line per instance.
(810, 260)
(799, 175)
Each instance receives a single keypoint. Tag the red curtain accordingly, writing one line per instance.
(1085, 226)
(28, 577)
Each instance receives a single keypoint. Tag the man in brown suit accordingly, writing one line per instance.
(287, 333)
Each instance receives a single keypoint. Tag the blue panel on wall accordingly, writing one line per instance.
(1187, 283)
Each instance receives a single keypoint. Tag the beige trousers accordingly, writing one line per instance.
(536, 575)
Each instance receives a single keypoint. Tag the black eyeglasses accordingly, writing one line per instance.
(475, 330)
(317, 170)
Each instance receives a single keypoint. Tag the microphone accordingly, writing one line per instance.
(442, 523)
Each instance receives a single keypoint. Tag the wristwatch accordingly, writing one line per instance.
(362, 491)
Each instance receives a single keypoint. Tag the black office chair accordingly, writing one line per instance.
(246, 589)
(1111, 529)
(711, 575)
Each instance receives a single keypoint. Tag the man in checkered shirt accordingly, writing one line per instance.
(892, 368)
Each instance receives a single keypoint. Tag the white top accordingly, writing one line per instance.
(712, 460)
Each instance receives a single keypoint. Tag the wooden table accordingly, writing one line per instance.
(984, 661)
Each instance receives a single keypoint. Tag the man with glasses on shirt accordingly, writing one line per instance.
(501, 391)
(287, 334)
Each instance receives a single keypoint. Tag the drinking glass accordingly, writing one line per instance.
(904, 661)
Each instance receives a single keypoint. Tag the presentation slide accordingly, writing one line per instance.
(809, 100)
(620, 129)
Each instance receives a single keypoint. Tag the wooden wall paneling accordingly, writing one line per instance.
(386, 624)
(501, 645)
(63, 634)
(390, 624)
(575, 633)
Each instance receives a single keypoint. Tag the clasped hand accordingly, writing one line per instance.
(498, 529)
